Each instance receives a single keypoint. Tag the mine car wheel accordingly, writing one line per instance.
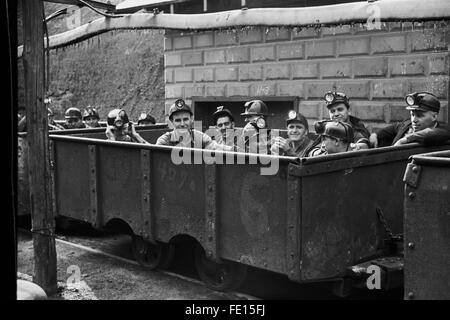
(152, 256)
(219, 276)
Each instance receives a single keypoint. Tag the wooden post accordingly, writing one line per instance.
(43, 222)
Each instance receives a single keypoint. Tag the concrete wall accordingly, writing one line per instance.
(376, 69)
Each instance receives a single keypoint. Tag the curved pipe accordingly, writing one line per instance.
(394, 10)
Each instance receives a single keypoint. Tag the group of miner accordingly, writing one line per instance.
(341, 132)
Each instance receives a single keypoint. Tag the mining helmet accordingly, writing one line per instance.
(146, 117)
(222, 112)
(90, 112)
(335, 129)
(423, 101)
(255, 108)
(178, 106)
(73, 113)
(117, 117)
(298, 117)
(333, 97)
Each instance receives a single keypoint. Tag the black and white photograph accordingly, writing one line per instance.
(229, 153)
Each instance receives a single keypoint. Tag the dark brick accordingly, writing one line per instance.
(305, 70)
(238, 90)
(310, 109)
(250, 72)
(172, 59)
(290, 51)
(353, 46)
(193, 91)
(439, 64)
(291, 88)
(266, 53)
(389, 89)
(215, 91)
(370, 67)
(174, 91)
(204, 75)
(353, 89)
(214, 56)
(184, 42)
(168, 75)
(407, 66)
(238, 54)
(227, 74)
(319, 49)
(192, 58)
(277, 71)
(388, 44)
(318, 89)
(429, 40)
(367, 110)
(183, 75)
(336, 69)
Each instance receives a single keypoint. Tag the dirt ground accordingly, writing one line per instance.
(104, 278)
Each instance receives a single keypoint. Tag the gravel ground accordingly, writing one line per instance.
(104, 278)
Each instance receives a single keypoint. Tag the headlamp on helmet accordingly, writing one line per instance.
(180, 103)
(292, 114)
(411, 99)
(423, 101)
(332, 97)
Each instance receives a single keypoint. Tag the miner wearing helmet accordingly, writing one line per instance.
(298, 141)
(422, 127)
(335, 136)
(256, 135)
(91, 117)
(183, 133)
(120, 128)
(146, 119)
(73, 119)
(339, 109)
(224, 123)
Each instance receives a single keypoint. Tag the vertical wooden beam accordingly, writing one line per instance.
(172, 10)
(205, 5)
(43, 222)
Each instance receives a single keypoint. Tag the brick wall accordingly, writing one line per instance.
(376, 69)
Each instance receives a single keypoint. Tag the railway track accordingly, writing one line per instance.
(258, 285)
